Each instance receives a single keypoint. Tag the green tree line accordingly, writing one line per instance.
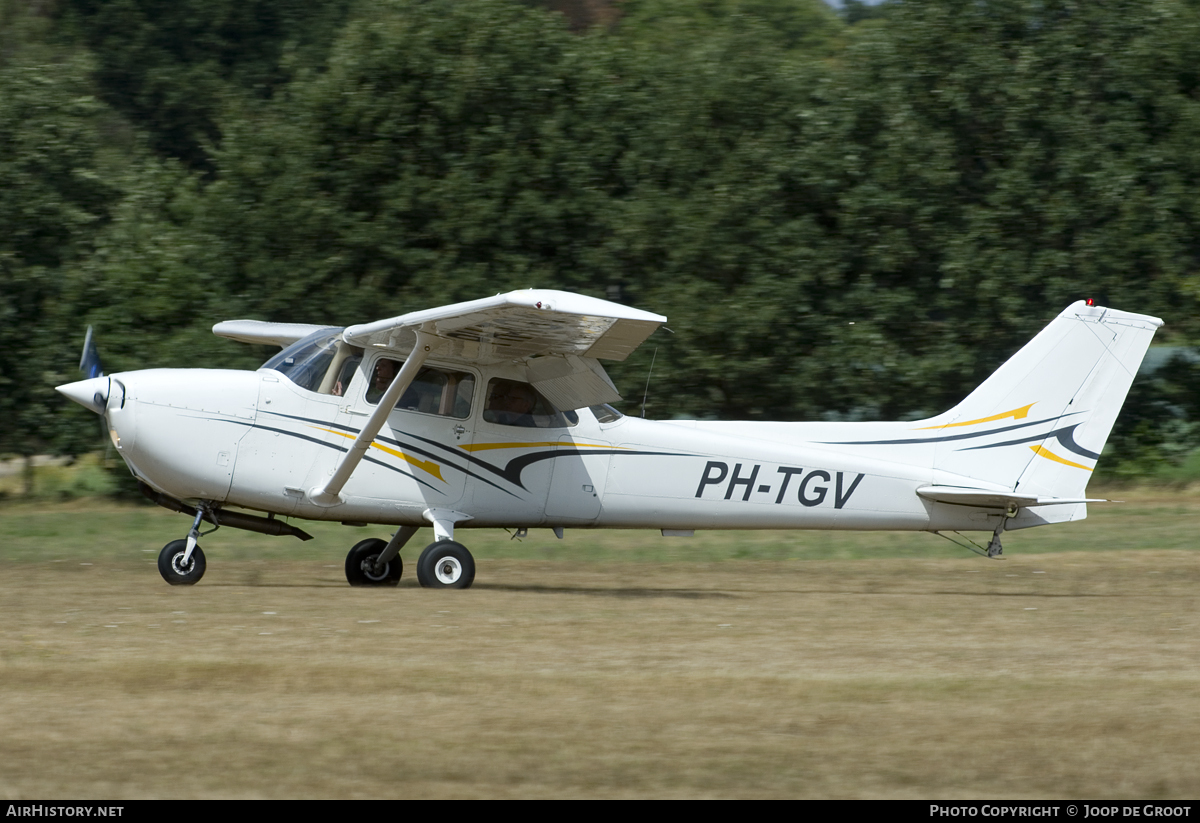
(844, 217)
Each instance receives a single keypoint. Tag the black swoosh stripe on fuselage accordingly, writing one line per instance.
(946, 438)
(511, 472)
(513, 468)
(1065, 437)
(333, 446)
(391, 441)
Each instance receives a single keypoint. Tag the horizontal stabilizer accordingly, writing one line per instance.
(993, 499)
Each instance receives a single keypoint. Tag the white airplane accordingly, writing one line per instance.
(493, 413)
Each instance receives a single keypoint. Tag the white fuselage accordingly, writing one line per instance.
(257, 440)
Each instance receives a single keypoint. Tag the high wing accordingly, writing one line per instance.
(529, 323)
(260, 331)
(559, 336)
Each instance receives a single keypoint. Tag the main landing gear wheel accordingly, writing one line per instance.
(446, 565)
(174, 570)
(360, 565)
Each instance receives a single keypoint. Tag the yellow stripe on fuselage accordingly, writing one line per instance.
(1015, 414)
(424, 465)
(482, 447)
(1049, 455)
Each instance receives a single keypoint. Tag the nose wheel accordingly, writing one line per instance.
(179, 569)
(181, 563)
(446, 565)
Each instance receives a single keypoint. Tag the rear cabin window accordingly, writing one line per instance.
(606, 413)
(434, 391)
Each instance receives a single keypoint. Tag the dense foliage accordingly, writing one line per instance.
(843, 217)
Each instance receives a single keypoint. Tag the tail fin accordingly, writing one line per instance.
(1038, 424)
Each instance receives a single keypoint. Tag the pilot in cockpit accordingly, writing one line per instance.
(345, 375)
(511, 403)
(385, 372)
(516, 403)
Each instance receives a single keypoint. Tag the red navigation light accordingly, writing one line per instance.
(1091, 301)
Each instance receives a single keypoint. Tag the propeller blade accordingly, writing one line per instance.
(89, 362)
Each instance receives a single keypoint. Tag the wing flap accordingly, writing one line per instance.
(571, 382)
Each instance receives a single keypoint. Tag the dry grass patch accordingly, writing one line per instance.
(1054, 675)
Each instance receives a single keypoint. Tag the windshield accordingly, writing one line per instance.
(306, 361)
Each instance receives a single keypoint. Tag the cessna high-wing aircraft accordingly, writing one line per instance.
(494, 413)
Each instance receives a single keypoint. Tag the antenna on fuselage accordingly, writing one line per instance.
(646, 392)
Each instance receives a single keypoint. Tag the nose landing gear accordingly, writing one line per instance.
(181, 563)
(177, 568)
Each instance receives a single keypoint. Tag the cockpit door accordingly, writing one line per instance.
(517, 444)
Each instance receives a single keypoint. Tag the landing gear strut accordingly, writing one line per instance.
(445, 564)
(181, 563)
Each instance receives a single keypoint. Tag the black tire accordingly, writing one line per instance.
(446, 565)
(361, 559)
(171, 567)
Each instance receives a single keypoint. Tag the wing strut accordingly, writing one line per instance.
(330, 493)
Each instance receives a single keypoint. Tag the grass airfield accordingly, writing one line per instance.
(610, 664)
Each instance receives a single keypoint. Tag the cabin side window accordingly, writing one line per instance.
(513, 403)
(434, 391)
